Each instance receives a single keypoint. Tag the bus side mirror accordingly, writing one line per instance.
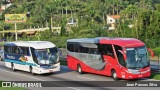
(59, 52)
(124, 55)
(151, 52)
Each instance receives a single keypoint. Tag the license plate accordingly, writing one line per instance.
(140, 75)
(50, 70)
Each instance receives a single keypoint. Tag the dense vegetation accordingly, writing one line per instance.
(144, 15)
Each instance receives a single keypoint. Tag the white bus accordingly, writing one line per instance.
(37, 57)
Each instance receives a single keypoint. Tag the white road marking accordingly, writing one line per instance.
(86, 78)
(22, 75)
(39, 79)
(147, 79)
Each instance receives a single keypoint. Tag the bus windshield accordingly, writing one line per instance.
(47, 56)
(137, 58)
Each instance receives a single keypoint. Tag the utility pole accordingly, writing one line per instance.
(5, 4)
(15, 31)
(0, 7)
(158, 64)
(1, 4)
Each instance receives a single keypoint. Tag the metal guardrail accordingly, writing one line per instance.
(155, 67)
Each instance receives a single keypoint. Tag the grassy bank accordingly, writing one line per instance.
(1, 43)
(12, 88)
(155, 75)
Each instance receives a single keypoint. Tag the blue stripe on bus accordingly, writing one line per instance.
(20, 62)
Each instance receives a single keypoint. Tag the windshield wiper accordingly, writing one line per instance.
(137, 61)
(140, 61)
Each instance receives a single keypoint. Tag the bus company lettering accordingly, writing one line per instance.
(14, 84)
(10, 57)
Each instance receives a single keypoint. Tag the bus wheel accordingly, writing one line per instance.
(79, 69)
(114, 75)
(31, 70)
(13, 67)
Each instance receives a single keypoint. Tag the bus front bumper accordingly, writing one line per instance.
(129, 75)
(38, 70)
(136, 76)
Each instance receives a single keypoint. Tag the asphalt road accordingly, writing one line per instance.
(65, 74)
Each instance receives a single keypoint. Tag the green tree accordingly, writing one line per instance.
(63, 27)
(50, 9)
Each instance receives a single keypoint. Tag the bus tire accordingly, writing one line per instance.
(79, 69)
(114, 75)
(31, 70)
(13, 67)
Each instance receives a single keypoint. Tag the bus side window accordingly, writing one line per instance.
(109, 50)
(81, 49)
(77, 47)
(106, 49)
(25, 51)
(84, 49)
(70, 47)
(14, 50)
(93, 51)
(119, 55)
(34, 55)
(73, 47)
(6, 49)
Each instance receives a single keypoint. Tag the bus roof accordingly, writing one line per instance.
(124, 42)
(34, 44)
(82, 40)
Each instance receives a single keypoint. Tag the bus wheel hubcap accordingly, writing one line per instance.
(79, 69)
(13, 67)
(114, 75)
(31, 70)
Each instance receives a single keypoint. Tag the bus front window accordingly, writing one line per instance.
(137, 58)
(47, 56)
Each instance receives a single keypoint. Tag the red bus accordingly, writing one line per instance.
(125, 58)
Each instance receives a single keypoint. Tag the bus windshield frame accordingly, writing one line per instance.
(47, 56)
(137, 58)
